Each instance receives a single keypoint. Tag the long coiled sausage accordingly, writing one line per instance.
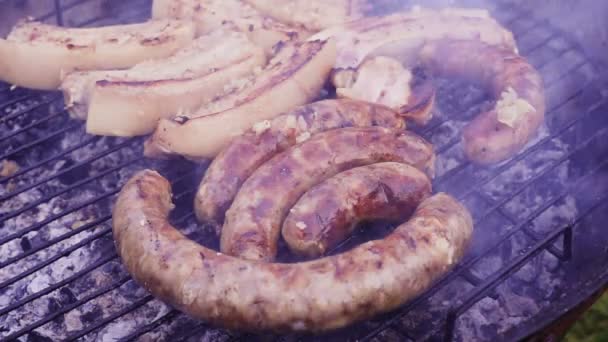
(247, 152)
(253, 222)
(319, 295)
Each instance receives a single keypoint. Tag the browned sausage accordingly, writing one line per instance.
(253, 222)
(327, 213)
(501, 132)
(403, 34)
(246, 153)
(319, 295)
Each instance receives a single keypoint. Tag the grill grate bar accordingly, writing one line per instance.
(511, 268)
(551, 249)
(195, 330)
(28, 109)
(67, 308)
(59, 255)
(166, 318)
(517, 263)
(37, 267)
(56, 240)
(65, 171)
(13, 101)
(51, 158)
(32, 125)
(67, 189)
(467, 265)
(109, 255)
(529, 182)
(99, 323)
(139, 303)
(58, 12)
(54, 217)
(40, 141)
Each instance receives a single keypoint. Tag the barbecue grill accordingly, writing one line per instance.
(539, 248)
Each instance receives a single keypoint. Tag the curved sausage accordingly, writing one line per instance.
(246, 153)
(319, 295)
(497, 134)
(253, 222)
(403, 34)
(328, 213)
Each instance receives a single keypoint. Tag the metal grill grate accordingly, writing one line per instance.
(57, 207)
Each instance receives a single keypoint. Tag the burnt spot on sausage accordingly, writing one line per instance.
(285, 171)
(165, 261)
(320, 267)
(339, 271)
(141, 193)
(411, 242)
(375, 250)
(71, 46)
(155, 40)
(379, 264)
(250, 234)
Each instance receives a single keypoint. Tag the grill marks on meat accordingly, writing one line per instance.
(246, 153)
(319, 295)
(328, 212)
(252, 225)
(37, 55)
(292, 78)
(130, 102)
(209, 15)
(500, 133)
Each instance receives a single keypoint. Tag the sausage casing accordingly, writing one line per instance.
(499, 133)
(328, 213)
(319, 295)
(253, 222)
(246, 153)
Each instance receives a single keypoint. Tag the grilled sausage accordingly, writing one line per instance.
(403, 34)
(327, 213)
(246, 153)
(319, 295)
(497, 134)
(253, 222)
